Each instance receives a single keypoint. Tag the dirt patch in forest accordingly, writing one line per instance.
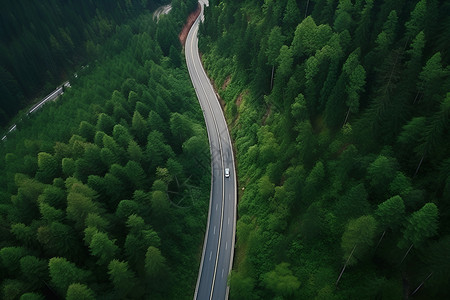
(187, 26)
(240, 98)
(226, 82)
(267, 114)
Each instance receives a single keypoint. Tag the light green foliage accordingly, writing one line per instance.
(356, 80)
(299, 109)
(77, 291)
(86, 130)
(135, 175)
(359, 235)
(139, 128)
(415, 52)
(391, 213)
(63, 273)
(381, 172)
(421, 225)
(102, 247)
(266, 188)
(160, 204)
(155, 263)
(134, 151)
(274, 43)
(89, 233)
(50, 214)
(79, 206)
(309, 37)
(431, 72)
(105, 123)
(281, 281)
(95, 220)
(68, 166)
(126, 208)
(401, 185)
(121, 135)
(123, 279)
(48, 167)
(417, 19)
(181, 127)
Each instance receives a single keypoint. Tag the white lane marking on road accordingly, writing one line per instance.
(210, 255)
(228, 220)
(217, 206)
(214, 229)
(221, 154)
(226, 245)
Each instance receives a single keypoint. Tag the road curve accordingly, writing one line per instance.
(218, 247)
(163, 10)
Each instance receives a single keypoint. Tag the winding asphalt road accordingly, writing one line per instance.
(218, 247)
(163, 10)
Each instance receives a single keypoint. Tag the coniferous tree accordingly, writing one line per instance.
(63, 273)
(123, 279)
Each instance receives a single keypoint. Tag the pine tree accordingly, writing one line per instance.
(63, 273)
(391, 213)
(291, 14)
(139, 128)
(10, 257)
(416, 21)
(358, 238)
(421, 225)
(48, 167)
(103, 248)
(362, 32)
(343, 16)
(123, 279)
(78, 291)
(34, 270)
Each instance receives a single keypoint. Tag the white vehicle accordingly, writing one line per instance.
(227, 172)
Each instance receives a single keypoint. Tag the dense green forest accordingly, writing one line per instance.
(104, 193)
(41, 42)
(340, 115)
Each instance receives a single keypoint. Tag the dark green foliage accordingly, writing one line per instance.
(34, 271)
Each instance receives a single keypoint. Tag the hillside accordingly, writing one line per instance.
(42, 43)
(340, 116)
(104, 193)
